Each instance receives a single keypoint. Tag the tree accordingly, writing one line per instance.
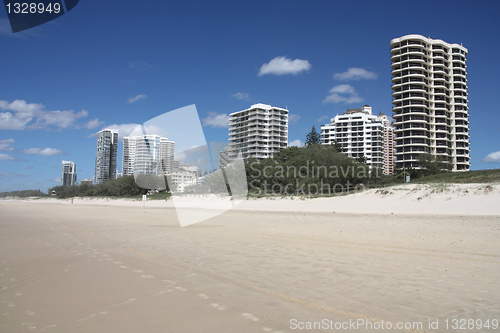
(338, 147)
(313, 138)
(432, 164)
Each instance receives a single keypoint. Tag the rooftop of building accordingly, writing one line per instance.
(427, 40)
(260, 106)
(365, 109)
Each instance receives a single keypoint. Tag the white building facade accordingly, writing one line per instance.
(106, 155)
(68, 173)
(147, 155)
(362, 134)
(258, 132)
(183, 176)
(430, 105)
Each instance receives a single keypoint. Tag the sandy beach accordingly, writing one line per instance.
(422, 258)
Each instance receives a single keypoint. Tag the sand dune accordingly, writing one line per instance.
(454, 199)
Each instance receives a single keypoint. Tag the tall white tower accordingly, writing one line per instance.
(106, 155)
(68, 173)
(430, 105)
(147, 154)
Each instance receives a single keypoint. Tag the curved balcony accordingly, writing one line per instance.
(445, 93)
(414, 50)
(441, 115)
(418, 87)
(438, 55)
(463, 127)
(396, 79)
(462, 122)
(460, 72)
(419, 120)
(461, 102)
(397, 72)
(462, 136)
(414, 99)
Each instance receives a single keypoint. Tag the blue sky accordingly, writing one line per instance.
(124, 62)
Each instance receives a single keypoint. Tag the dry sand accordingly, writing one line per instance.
(268, 266)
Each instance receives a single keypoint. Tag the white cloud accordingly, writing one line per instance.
(5, 145)
(42, 152)
(296, 143)
(283, 65)
(60, 119)
(139, 66)
(241, 95)
(9, 175)
(349, 95)
(294, 118)
(356, 74)
(492, 157)
(136, 98)
(56, 180)
(93, 123)
(20, 115)
(336, 98)
(124, 129)
(216, 120)
(322, 119)
(5, 157)
(134, 129)
(343, 89)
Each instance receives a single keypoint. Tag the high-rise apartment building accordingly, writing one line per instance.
(68, 174)
(362, 135)
(147, 154)
(388, 157)
(258, 132)
(106, 155)
(430, 105)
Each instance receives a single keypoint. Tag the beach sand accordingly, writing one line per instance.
(413, 255)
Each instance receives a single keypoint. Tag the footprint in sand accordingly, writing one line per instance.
(218, 306)
(250, 316)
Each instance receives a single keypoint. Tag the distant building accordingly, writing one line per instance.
(86, 182)
(106, 155)
(430, 101)
(147, 155)
(258, 132)
(362, 135)
(184, 176)
(388, 158)
(68, 174)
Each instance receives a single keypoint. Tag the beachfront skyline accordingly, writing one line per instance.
(132, 62)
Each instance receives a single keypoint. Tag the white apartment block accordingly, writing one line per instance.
(106, 155)
(258, 132)
(430, 105)
(147, 155)
(184, 176)
(68, 174)
(362, 134)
